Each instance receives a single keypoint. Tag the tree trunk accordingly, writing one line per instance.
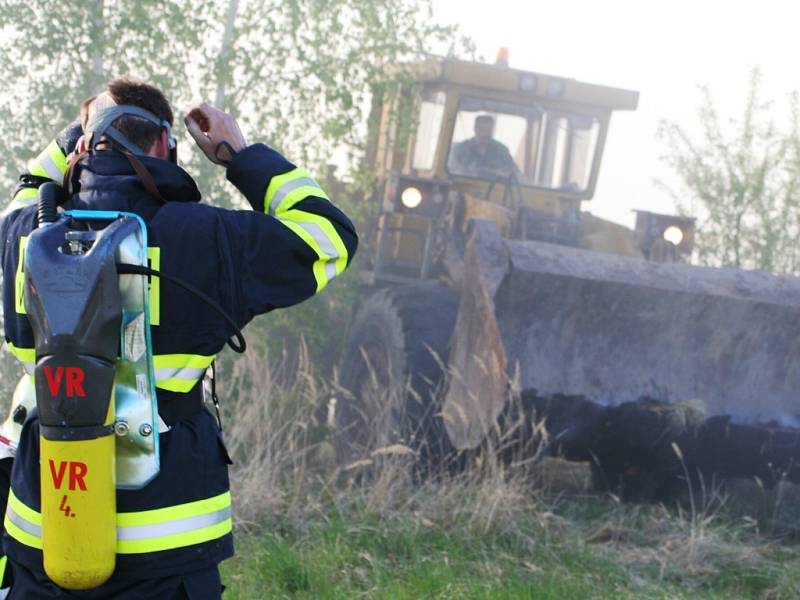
(224, 53)
(97, 78)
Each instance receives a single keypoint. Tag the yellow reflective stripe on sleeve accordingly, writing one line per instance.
(286, 190)
(143, 531)
(3, 563)
(154, 258)
(180, 372)
(27, 356)
(320, 234)
(318, 267)
(27, 193)
(51, 163)
(19, 279)
(338, 251)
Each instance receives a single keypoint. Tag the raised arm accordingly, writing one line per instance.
(295, 241)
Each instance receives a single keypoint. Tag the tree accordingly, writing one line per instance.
(742, 181)
(297, 73)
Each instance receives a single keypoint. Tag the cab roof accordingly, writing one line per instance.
(528, 83)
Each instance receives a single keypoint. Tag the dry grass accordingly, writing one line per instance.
(285, 475)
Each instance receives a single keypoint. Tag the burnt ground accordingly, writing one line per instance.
(648, 449)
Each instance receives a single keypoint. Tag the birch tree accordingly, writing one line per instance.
(298, 74)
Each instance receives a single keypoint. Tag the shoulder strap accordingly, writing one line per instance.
(147, 179)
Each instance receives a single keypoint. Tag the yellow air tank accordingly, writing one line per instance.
(79, 508)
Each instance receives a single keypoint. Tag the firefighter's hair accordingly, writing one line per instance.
(139, 131)
(484, 119)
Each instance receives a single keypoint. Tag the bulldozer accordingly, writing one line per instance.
(490, 296)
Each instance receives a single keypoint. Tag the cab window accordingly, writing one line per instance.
(431, 116)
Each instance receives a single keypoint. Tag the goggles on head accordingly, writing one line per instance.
(106, 112)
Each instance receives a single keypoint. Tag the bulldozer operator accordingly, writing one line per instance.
(172, 533)
(482, 155)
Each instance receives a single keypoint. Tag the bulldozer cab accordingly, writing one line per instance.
(465, 140)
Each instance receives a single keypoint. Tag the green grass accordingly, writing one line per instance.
(592, 548)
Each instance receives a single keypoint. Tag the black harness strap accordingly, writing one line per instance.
(129, 269)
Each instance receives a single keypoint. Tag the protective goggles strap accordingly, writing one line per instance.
(101, 125)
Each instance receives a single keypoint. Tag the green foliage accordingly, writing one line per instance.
(742, 179)
(298, 74)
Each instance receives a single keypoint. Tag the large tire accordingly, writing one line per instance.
(392, 372)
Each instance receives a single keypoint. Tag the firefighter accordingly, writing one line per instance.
(291, 244)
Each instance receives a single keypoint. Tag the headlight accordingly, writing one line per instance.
(673, 235)
(411, 197)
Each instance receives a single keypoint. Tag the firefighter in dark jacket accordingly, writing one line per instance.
(291, 244)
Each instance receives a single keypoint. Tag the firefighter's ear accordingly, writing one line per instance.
(80, 145)
(160, 148)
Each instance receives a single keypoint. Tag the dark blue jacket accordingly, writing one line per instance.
(285, 250)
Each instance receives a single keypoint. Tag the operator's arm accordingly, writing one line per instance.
(49, 165)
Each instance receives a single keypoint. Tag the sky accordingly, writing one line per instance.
(664, 50)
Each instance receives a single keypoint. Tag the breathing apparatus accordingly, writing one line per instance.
(87, 300)
(104, 111)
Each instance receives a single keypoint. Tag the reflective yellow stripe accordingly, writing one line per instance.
(26, 356)
(180, 361)
(319, 265)
(158, 516)
(180, 372)
(23, 510)
(154, 257)
(329, 231)
(23, 355)
(178, 540)
(30, 519)
(27, 193)
(19, 279)
(143, 531)
(51, 163)
(319, 233)
(22, 199)
(174, 372)
(286, 190)
(3, 563)
(21, 536)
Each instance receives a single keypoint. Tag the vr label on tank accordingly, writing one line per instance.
(74, 381)
(77, 473)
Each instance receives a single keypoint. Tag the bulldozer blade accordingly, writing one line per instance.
(562, 321)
